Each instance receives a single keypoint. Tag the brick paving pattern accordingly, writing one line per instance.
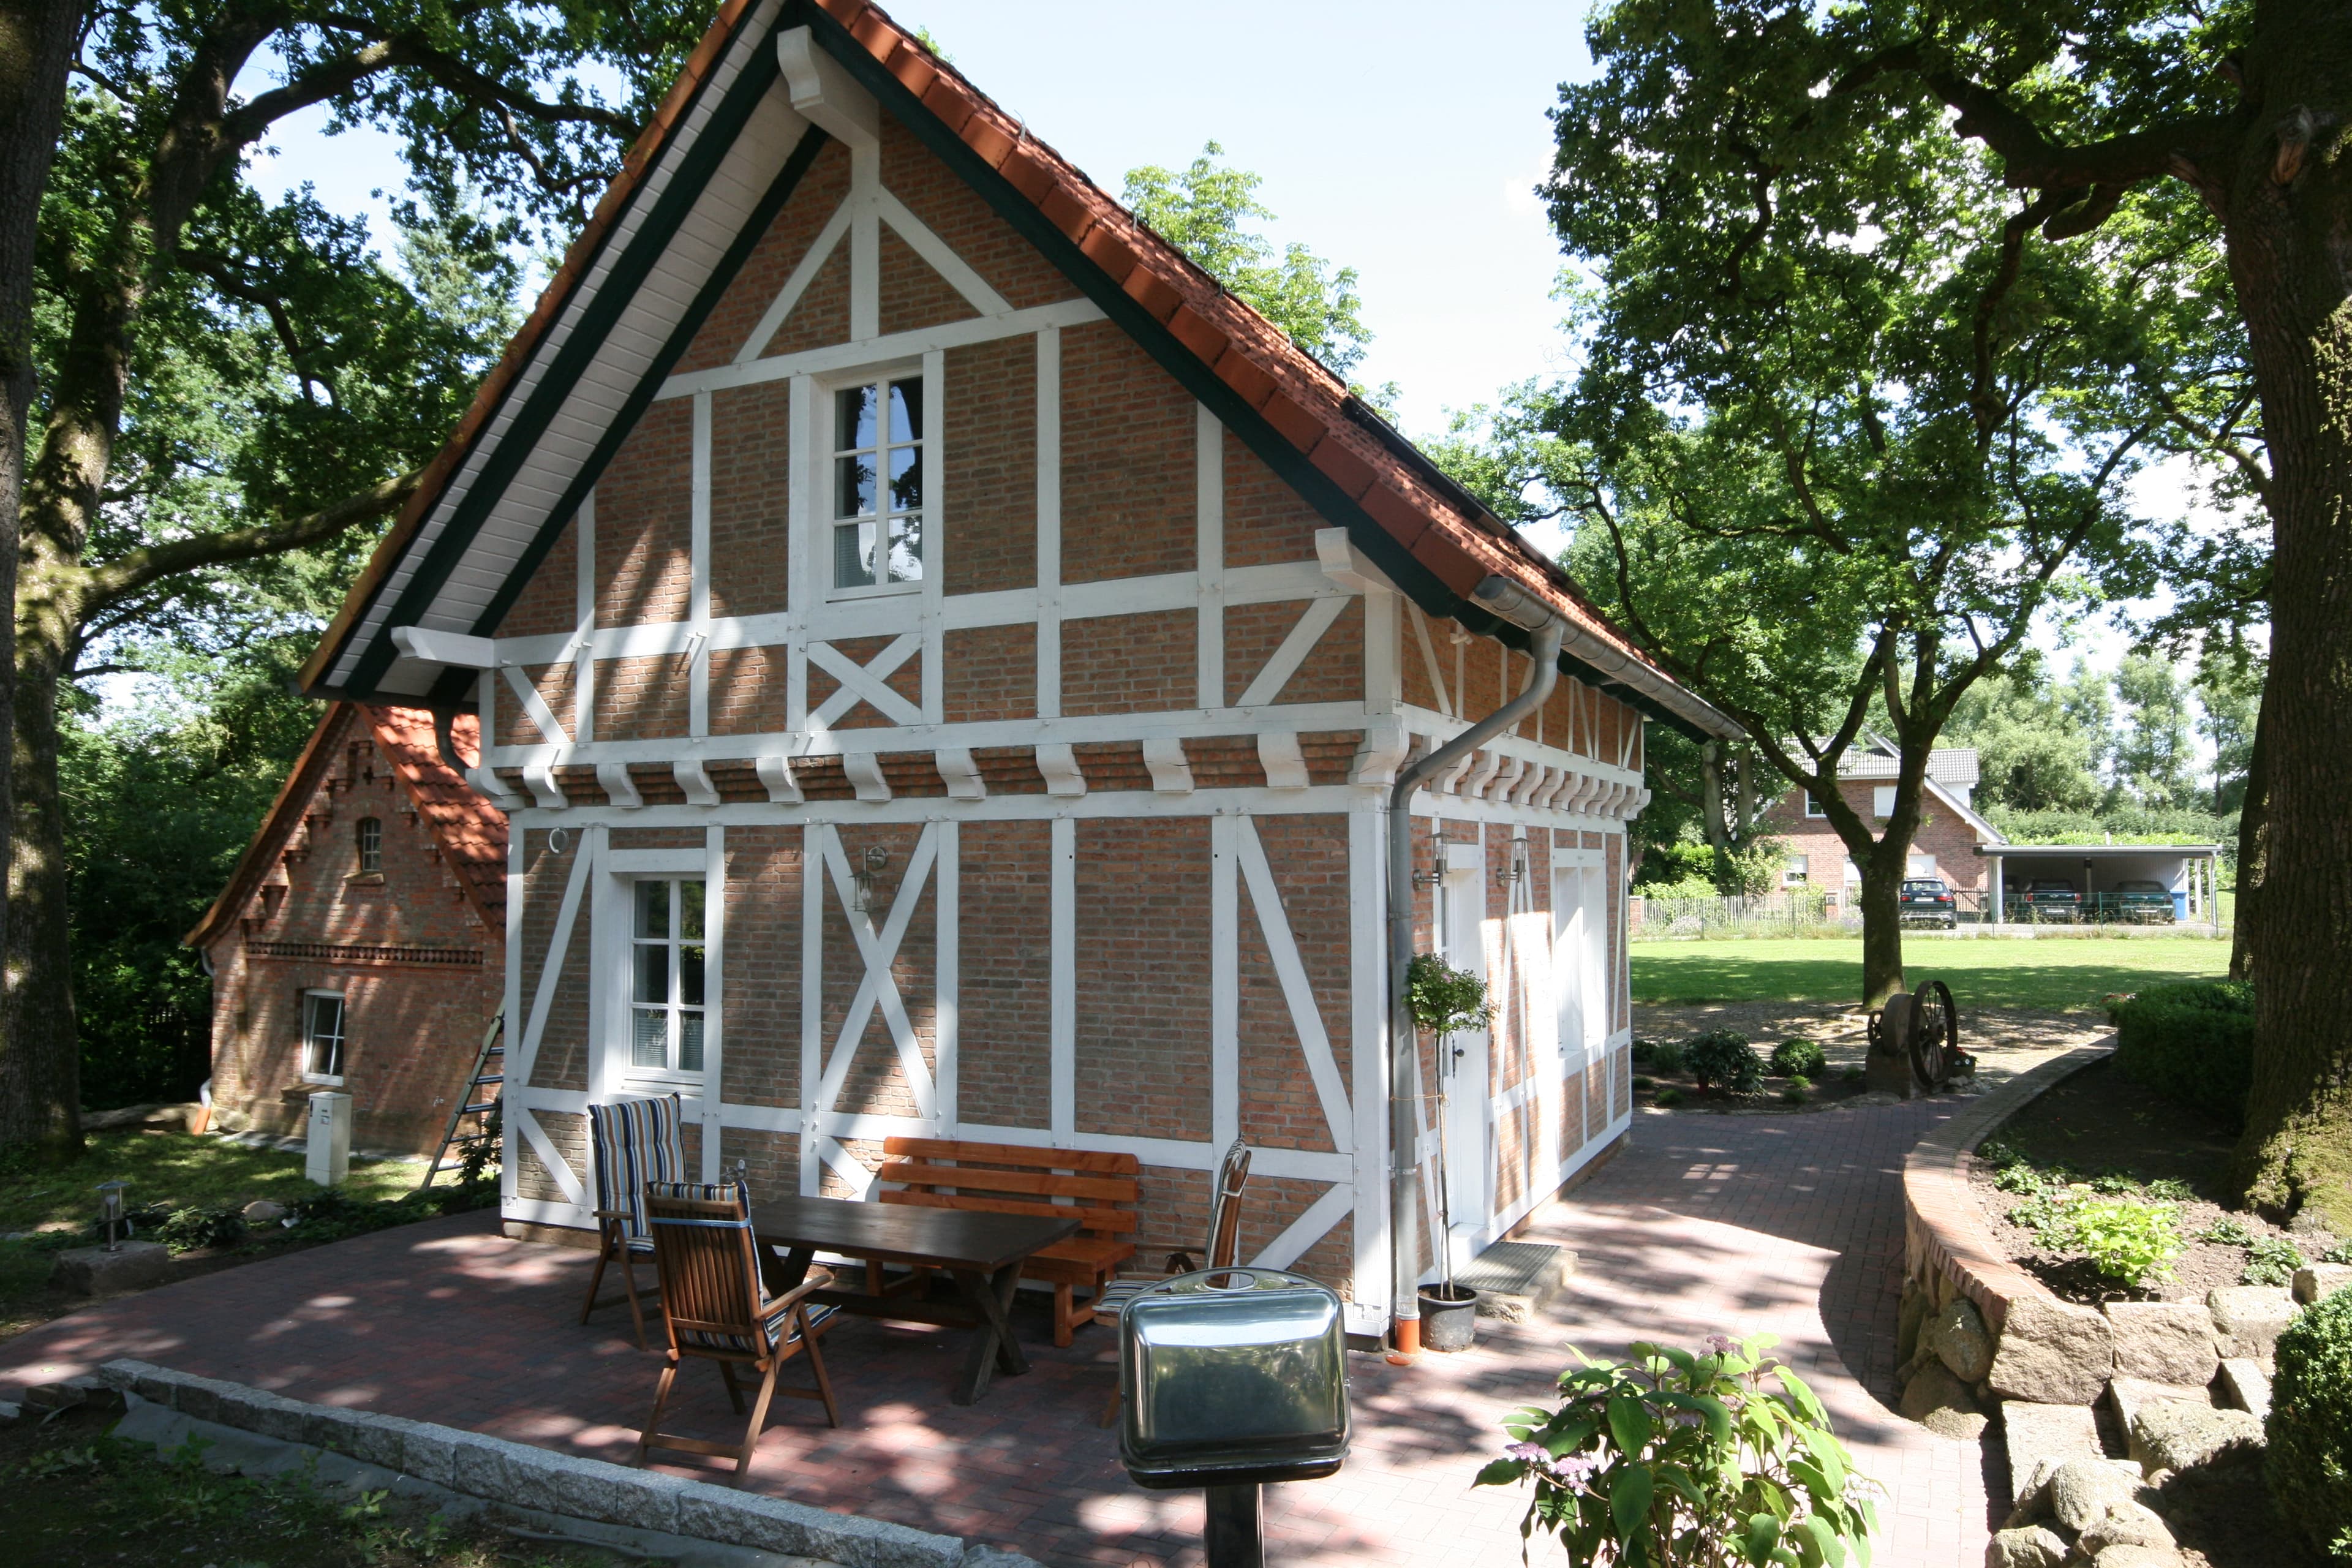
(1792, 1225)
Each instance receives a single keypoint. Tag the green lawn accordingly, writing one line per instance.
(2052, 973)
(174, 1168)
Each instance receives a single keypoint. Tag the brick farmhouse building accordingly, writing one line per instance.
(360, 945)
(946, 662)
(1951, 831)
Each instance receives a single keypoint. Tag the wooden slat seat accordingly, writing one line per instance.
(1007, 1178)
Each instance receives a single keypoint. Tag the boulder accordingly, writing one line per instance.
(1942, 1403)
(2133, 1524)
(2247, 1385)
(2083, 1489)
(94, 1271)
(2039, 1438)
(2053, 1353)
(2034, 1546)
(1957, 1334)
(2137, 1557)
(1911, 1314)
(2173, 1434)
(2247, 1318)
(2164, 1341)
(261, 1211)
(2313, 1281)
(2131, 1395)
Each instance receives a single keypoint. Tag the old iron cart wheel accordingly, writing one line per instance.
(1935, 1039)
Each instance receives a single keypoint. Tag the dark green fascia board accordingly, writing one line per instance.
(628, 274)
(455, 687)
(1394, 561)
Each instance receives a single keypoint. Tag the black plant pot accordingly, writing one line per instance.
(1448, 1323)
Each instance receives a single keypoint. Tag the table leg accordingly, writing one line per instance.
(992, 1344)
(781, 1275)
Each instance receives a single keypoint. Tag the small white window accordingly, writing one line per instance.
(370, 845)
(322, 1037)
(876, 502)
(1813, 806)
(667, 976)
(1795, 870)
(1922, 865)
(1882, 802)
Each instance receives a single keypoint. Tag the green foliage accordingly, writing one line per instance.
(2228, 687)
(1669, 1097)
(2193, 1041)
(2153, 755)
(2170, 1190)
(2000, 1154)
(1443, 999)
(2273, 1260)
(2032, 752)
(2126, 1241)
(1667, 1057)
(1795, 1091)
(1793, 1057)
(2309, 1429)
(186, 1229)
(2228, 1231)
(1670, 870)
(1210, 211)
(2339, 1253)
(1677, 1457)
(1722, 1058)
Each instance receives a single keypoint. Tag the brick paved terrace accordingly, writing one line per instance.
(1787, 1224)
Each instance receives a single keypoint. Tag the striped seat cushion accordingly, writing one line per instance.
(634, 1142)
(774, 1325)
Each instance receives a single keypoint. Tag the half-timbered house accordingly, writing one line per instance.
(946, 661)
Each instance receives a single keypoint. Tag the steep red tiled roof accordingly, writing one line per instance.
(470, 832)
(1446, 531)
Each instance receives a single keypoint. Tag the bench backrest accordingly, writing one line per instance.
(1006, 1178)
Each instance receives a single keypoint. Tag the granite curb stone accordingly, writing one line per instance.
(2248, 1319)
(2164, 1341)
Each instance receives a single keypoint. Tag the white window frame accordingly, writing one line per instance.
(343, 1036)
(1795, 870)
(821, 499)
(361, 851)
(1813, 804)
(1882, 802)
(672, 1068)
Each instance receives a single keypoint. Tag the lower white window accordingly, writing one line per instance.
(1814, 806)
(1922, 866)
(322, 1037)
(1795, 870)
(666, 983)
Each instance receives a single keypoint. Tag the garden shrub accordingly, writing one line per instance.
(1677, 1456)
(1793, 1059)
(1669, 1096)
(1644, 1080)
(1794, 1093)
(1666, 1057)
(2339, 1253)
(2310, 1426)
(2191, 1042)
(2273, 1260)
(1723, 1059)
(2228, 1231)
(2125, 1241)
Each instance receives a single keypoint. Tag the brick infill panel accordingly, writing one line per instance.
(1943, 1228)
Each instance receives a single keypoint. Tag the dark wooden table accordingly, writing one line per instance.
(983, 1253)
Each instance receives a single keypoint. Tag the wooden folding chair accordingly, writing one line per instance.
(1224, 1249)
(714, 1307)
(632, 1141)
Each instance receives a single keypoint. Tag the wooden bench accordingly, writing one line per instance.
(1006, 1178)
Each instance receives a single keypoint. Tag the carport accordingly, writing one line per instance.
(2186, 870)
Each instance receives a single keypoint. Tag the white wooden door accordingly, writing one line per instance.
(1463, 1066)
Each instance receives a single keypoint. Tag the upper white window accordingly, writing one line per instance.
(368, 845)
(666, 992)
(322, 1037)
(876, 507)
(1813, 806)
(1882, 802)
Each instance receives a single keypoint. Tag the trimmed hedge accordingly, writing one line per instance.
(2310, 1426)
(2193, 1041)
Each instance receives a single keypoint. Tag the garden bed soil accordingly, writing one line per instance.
(2098, 1121)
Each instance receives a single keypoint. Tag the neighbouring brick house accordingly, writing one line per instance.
(360, 943)
(946, 661)
(1950, 829)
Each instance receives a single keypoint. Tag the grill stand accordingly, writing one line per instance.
(1235, 1536)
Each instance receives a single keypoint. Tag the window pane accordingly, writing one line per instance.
(689, 909)
(907, 548)
(853, 418)
(689, 977)
(852, 485)
(689, 1042)
(906, 477)
(653, 909)
(650, 1049)
(853, 555)
(906, 411)
(371, 837)
(653, 972)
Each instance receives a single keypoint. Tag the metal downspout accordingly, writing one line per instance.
(1505, 599)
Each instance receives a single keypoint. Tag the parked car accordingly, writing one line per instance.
(1927, 901)
(2050, 898)
(2139, 902)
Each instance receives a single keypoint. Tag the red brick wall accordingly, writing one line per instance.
(1143, 963)
(955, 212)
(989, 672)
(1308, 859)
(912, 294)
(989, 529)
(1003, 958)
(1123, 664)
(1943, 833)
(1129, 449)
(1333, 671)
(772, 261)
(762, 993)
(645, 524)
(1265, 520)
(410, 1029)
(750, 492)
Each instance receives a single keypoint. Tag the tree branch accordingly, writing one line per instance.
(133, 571)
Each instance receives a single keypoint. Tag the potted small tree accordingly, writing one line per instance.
(1446, 1000)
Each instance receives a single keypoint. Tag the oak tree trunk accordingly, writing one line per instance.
(1881, 926)
(2284, 214)
(44, 1045)
(2253, 818)
(36, 42)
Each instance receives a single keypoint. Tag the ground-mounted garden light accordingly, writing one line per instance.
(110, 1209)
(1233, 1378)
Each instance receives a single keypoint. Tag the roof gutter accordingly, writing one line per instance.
(1507, 601)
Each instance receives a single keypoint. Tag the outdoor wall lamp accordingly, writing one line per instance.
(861, 896)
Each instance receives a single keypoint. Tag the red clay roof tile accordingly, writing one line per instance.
(876, 34)
(1193, 331)
(1066, 211)
(1112, 254)
(952, 107)
(915, 72)
(1402, 520)
(1352, 473)
(985, 137)
(1296, 425)
(1152, 291)
(1236, 370)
